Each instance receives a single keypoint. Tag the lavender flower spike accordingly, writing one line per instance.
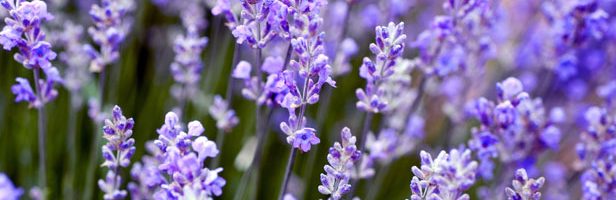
(7, 190)
(341, 159)
(445, 177)
(388, 47)
(117, 152)
(524, 188)
(225, 117)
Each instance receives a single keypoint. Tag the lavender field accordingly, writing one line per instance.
(308, 99)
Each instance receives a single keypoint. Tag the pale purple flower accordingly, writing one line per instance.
(76, 74)
(341, 158)
(225, 117)
(187, 65)
(524, 187)
(445, 177)
(117, 153)
(388, 47)
(7, 190)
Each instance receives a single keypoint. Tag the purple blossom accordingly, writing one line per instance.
(76, 74)
(341, 159)
(187, 65)
(388, 47)
(177, 164)
(445, 177)
(7, 190)
(257, 90)
(224, 116)
(117, 152)
(23, 30)
(111, 25)
(524, 187)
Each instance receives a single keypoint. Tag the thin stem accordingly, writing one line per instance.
(41, 133)
(91, 173)
(288, 171)
(380, 177)
(72, 164)
(287, 58)
(362, 146)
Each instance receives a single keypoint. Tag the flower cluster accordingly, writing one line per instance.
(445, 177)
(523, 187)
(389, 46)
(76, 74)
(341, 158)
(117, 152)
(514, 129)
(111, 25)
(187, 65)
(176, 169)
(574, 26)
(225, 117)
(7, 190)
(457, 40)
(596, 149)
(263, 93)
(23, 30)
(260, 20)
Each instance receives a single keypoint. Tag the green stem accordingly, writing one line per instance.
(41, 134)
(94, 152)
(287, 173)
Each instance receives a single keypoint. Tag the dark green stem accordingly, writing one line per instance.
(287, 173)
(41, 134)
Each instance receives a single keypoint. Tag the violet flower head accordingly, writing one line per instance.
(225, 116)
(341, 159)
(117, 152)
(445, 177)
(7, 190)
(76, 74)
(267, 92)
(177, 164)
(515, 128)
(187, 65)
(23, 30)
(111, 25)
(389, 46)
(524, 188)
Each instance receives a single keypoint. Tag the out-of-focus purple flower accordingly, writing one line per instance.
(445, 177)
(7, 190)
(224, 116)
(117, 152)
(23, 30)
(341, 158)
(187, 65)
(514, 129)
(269, 92)
(388, 47)
(524, 187)
(177, 165)
(111, 25)
(76, 74)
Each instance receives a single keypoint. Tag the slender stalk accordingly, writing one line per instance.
(70, 148)
(287, 173)
(287, 58)
(91, 173)
(41, 134)
(362, 143)
(380, 177)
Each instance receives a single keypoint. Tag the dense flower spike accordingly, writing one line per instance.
(224, 116)
(341, 159)
(514, 129)
(176, 169)
(7, 190)
(117, 152)
(75, 58)
(445, 177)
(596, 150)
(23, 30)
(457, 40)
(524, 188)
(187, 65)
(389, 46)
(111, 25)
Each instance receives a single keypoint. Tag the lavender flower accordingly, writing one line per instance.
(341, 158)
(111, 25)
(187, 65)
(7, 190)
(257, 90)
(117, 152)
(524, 188)
(388, 48)
(445, 177)
(23, 30)
(514, 129)
(224, 116)
(76, 75)
(177, 165)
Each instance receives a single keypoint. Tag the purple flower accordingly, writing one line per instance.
(23, 91)
(76, 74)
(388, 48)
(524, 187)
(445, 177)
(177, 164)
(187, 65)
(117, 152)
(7, 190)
(111, 25)
(224, 116)
(341, 158)
(301, 139)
